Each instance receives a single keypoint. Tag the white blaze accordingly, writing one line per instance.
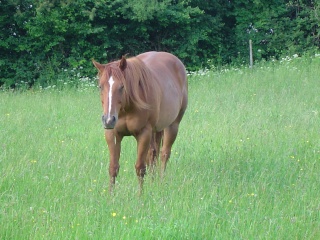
(111, 82)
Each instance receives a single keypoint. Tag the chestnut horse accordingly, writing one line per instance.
(146, 97)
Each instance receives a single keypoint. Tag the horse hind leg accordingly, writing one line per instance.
(170, 135)
(154, 150)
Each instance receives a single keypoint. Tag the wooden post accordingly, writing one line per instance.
(251, 56)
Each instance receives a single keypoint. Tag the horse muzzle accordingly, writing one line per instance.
(109, 121)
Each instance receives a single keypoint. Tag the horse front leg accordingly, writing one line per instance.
(114, 145)
(143, 143)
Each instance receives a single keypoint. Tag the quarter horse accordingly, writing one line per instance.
(145, 97)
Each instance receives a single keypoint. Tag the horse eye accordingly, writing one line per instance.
(121, 88)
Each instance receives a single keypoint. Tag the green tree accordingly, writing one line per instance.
(39, 39)
(276, 27)
(13, 41)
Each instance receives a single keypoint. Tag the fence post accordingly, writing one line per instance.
(251, 56)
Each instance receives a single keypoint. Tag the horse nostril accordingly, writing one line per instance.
(111, 120)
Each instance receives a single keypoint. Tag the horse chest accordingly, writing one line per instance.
(129, 124)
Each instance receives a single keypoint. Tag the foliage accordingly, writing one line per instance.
(41, 38)
(277, 28)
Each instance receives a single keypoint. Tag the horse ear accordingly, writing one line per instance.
(123, 63)
(99, 66)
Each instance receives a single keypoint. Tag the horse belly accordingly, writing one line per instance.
(169, 108)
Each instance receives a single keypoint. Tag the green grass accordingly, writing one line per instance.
(245, 165)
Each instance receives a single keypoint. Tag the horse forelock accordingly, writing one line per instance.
(105, 75)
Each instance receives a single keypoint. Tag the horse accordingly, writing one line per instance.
(146, 97)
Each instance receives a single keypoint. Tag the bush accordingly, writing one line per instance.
(40, 39)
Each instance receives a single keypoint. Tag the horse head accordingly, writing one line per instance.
(111, 84)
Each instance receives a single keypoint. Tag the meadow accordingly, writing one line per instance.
(246, 163)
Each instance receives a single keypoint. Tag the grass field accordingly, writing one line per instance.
(246, 164)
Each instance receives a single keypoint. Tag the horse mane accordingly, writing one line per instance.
(136, 80)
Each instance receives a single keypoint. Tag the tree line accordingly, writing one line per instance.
(41, 39)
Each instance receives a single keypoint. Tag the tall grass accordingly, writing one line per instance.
(245, 165)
